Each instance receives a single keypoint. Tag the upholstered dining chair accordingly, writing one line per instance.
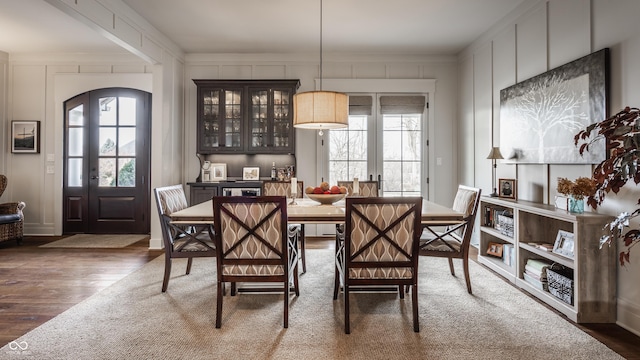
(454, 241)
(283, 188)
(11, 217)
(368, 188)
(254, 245)
(379, 247)
(181, 240)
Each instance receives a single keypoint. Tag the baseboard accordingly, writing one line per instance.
(628, 316)
(155, 244)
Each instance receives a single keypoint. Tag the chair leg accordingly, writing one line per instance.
(189, 262)
(451, 267)
(347, 328)
(303, 249)
(295, 281)
(167, 273)
(233, 289)
(286, 302)
(401, 291)
(414, 302)
(465, 265)
(219, 304)
(336, 283)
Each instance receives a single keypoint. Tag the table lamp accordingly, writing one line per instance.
(494, 155)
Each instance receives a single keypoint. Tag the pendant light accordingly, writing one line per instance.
(320, 109)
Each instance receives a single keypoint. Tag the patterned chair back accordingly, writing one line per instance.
(366, 188)
(381, 237)
(281, 188)
(251, 235)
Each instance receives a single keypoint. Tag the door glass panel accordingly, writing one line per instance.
(107, 172)
(127, 141)
(108, 110)
(348, 151)
(126, 172)
(76, 117)
(107, 144)
(75, 141)
(127, 111)
(402, 154)
(74, 172)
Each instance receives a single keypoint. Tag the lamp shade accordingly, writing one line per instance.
(495, 154)
(320, 110)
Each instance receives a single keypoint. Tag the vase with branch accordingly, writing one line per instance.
(576, 191)
(622, 135)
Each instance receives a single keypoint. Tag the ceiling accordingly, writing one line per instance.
(430, 27)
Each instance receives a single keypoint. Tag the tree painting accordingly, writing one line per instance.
(539, 116)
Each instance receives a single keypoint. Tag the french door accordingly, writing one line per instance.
(385, 141)
(107, 156)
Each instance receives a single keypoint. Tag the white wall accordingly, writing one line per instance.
(533, 39)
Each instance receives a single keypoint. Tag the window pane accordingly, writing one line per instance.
(127, 142)
(76, 117)
(127, 111)
(127, 172)
(75, 142)
(411, 145)
(107, 144)
(107, 172)
(108, 110)
(74, 172)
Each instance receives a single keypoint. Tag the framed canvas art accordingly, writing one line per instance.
(25, 137)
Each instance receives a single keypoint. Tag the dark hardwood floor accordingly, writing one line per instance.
(37, 284)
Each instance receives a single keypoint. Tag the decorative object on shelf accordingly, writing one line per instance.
(507, 188)
(320, 109)
(505, 223)
(494, 155)
(294, 191)
(25, 137)
(622, 134)
(250, 173)
(218, 172)
(562, 202)
(494, 249)
(539, 116)
(564, 244)
(576, 191)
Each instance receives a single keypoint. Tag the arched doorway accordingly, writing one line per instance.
(107, 150)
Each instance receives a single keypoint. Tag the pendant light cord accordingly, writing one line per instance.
(320, 45)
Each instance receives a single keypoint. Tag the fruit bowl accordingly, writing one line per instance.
(326, 199)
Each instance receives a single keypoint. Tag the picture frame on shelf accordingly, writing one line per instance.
(25, 137)
(564, 244)
(218, 172)
(507, 188)
(495, 249)
(250, 173)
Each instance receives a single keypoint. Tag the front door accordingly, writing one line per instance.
(107, 162)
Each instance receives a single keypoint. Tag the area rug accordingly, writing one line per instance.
(133, 319)
(96, 241)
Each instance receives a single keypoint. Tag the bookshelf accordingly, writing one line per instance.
(532, 232)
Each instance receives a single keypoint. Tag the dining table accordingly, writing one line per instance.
(307, 211)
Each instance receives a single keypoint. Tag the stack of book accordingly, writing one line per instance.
(535, 273)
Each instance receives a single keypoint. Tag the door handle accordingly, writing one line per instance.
(94, 177)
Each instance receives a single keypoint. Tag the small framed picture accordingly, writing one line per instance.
(251, 173)
(564, 244)
(25, 137)
(494, 249)
(507, 188)
(218, 172)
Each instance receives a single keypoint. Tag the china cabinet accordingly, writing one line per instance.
(532, 230)
(245, 116)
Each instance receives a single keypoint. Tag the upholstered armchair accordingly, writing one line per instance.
(11, 217)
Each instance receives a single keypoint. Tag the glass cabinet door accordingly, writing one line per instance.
(220, 125)
(270, 120)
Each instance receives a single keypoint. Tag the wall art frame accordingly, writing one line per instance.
(540, 116)
(25, 137)
(251, 173)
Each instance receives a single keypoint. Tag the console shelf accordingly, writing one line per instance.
(594, 269)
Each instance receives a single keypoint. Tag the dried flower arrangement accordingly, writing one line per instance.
(622, 133)
(579, 189)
